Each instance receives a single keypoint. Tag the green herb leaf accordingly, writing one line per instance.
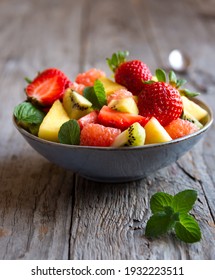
(183, 201)
(161, 75)
(90, 94)
(160, 223)
(100, 93)
(69, 133)
(187, 229)
(28, 80)
(159, 201)
(28, 117)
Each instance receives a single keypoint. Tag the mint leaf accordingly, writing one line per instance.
(183, 201)
(187, 229)
(159, 201)
(161, 75)
(69, 133)
(160, 223)
(100, 93)
(96, 95)
(90, 94)
(170, 212)
(28, 117)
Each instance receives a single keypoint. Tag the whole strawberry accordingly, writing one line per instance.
(130, 74)
(160, 99)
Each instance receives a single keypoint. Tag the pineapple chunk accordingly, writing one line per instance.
(110, 86)
(194, 109)
(52, 122)
(155, 132)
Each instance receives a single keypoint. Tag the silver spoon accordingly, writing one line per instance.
(179, 61)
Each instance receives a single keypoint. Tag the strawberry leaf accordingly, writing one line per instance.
(180, 83)
(161, 75)
(69, 133)
(117, 59)
(188, 93)
(172, 78)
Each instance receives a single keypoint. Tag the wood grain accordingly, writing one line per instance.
(47, 212)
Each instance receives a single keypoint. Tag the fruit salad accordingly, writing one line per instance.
(134, 108)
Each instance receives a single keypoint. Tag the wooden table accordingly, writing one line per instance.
(47, 212)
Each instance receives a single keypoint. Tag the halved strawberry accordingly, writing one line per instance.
(121, 120)
(47, 87)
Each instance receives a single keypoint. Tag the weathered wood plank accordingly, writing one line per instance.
(112, 218)
(35, 196)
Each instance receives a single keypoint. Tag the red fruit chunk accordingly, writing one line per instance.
(89, 118)
(77, 87)
(121, 120)
(89, 77)
(47, 87)
(179, 128)
(98, 135)
(160, 100)
(131, 74)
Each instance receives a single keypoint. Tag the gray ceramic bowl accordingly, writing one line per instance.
(116, 164)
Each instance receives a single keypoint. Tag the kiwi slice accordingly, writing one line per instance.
(75, 104)
(187, 116)
(127, 105)
(133, 136)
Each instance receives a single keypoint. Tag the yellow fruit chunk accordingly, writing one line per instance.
(194, 109)
(52, 122)
(155, 132)
(110, 86)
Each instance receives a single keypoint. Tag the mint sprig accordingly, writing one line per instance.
(69, 133)
(28, 117)
(96, 95)
(171, 213)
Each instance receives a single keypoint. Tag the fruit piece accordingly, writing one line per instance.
(155, 132)
(89, 118)
(187, 116)
(47, 87)
(127, 105)
(160, 100)
(122, 120)
(132, 136)
(52, 122)
(179, 128)
(89, 77)
(119, 94)
(98, 135)
(130, 74)
(194, 109)
(75, 104)
(110, 86)
(79, 88)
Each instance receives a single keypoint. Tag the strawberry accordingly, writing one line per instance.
(160, 100)
(47, 87)
(130, 74)
(121, 120)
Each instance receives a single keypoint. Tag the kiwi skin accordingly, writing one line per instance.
(75, 104)
(134, 135)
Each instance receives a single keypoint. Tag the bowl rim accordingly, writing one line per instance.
(148, 146)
